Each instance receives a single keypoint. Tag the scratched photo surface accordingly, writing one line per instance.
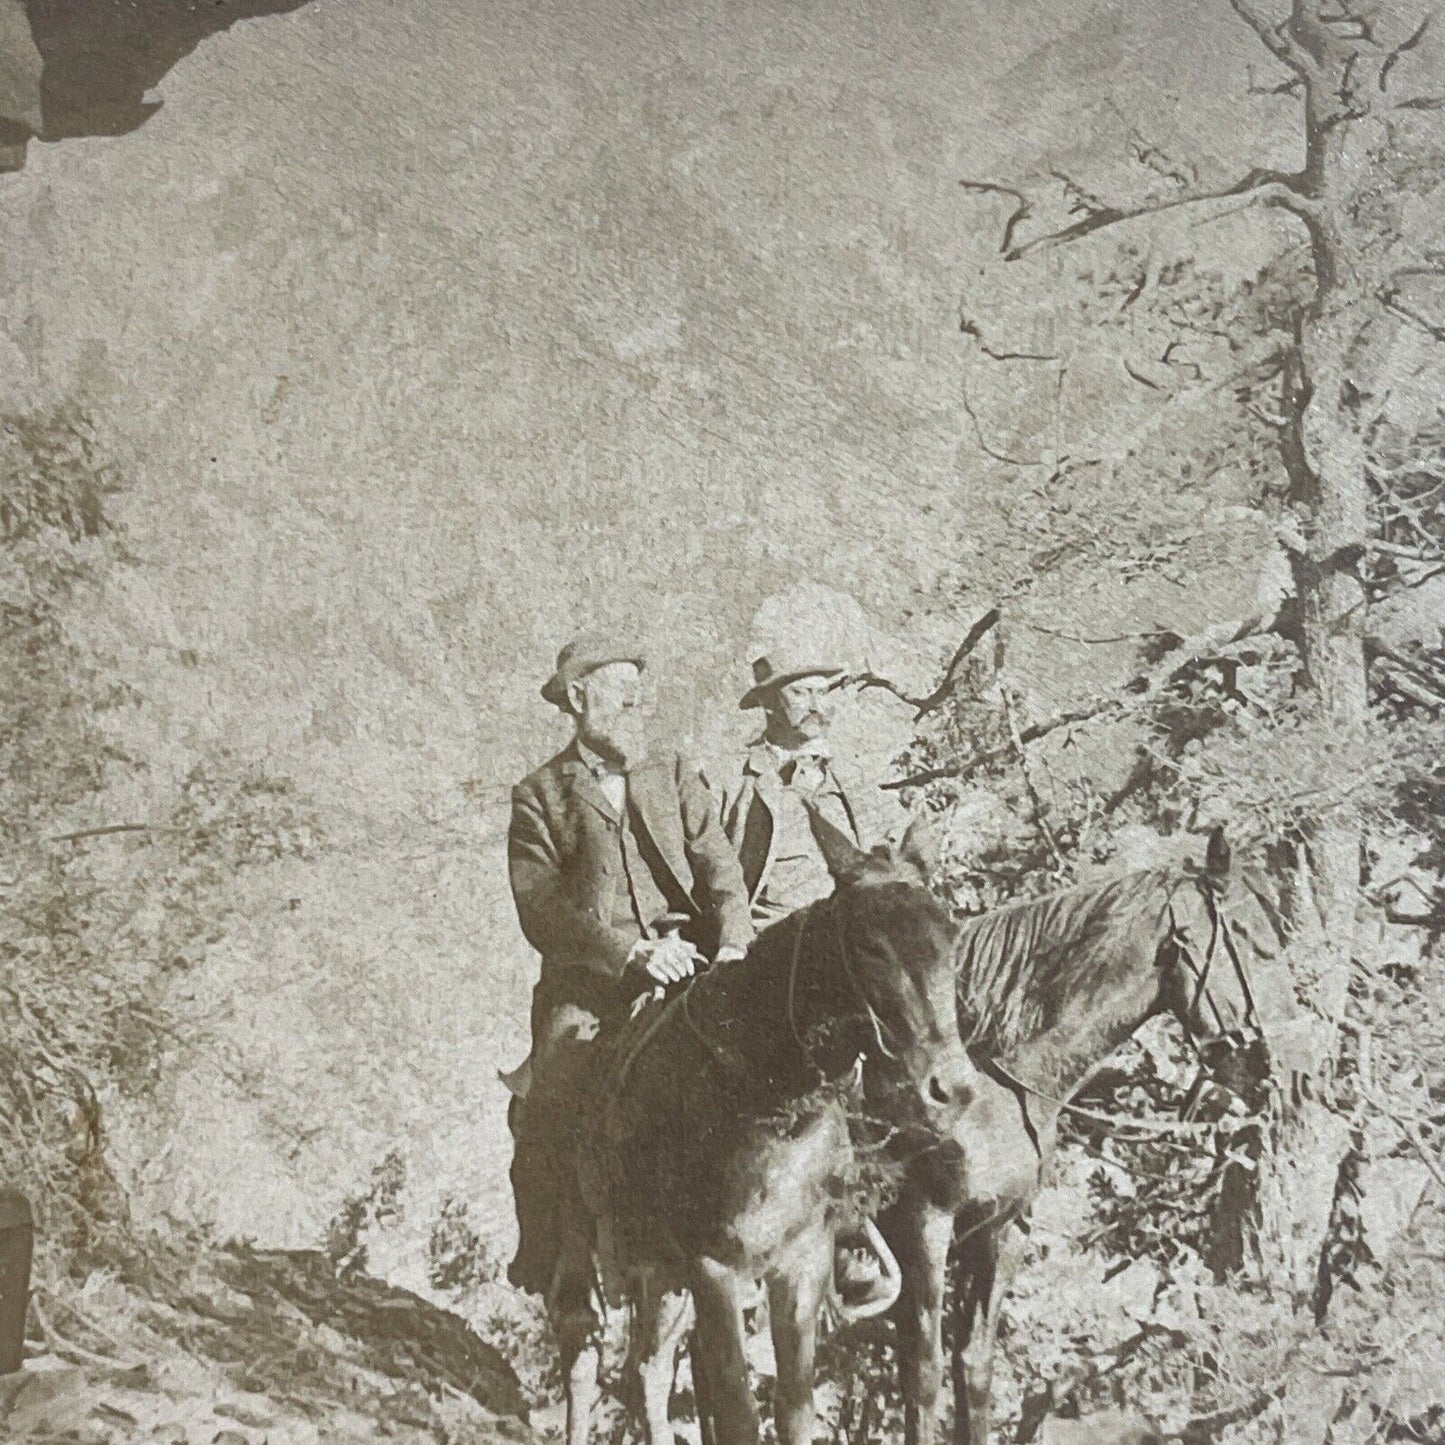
(722, 721)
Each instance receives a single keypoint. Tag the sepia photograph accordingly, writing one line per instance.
(722, 722)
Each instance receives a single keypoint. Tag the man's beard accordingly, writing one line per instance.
(621, 740)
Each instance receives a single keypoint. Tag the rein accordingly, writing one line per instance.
(846, 960)
(1143, 1128)
(732, 1065)
(728, 1062)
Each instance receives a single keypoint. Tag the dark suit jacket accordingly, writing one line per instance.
(566, 873)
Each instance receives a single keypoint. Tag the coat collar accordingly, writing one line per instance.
(760, 760)
(650, 791)
(761, 764)
(579, 778)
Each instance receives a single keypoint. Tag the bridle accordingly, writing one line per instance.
(729, 1063)
(1248, 1032)
(1221, 935)
(845, 959)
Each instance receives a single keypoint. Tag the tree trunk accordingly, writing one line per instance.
(1325, 454)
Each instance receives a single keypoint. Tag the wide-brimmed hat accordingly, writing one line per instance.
(586, 654)
(772, 670)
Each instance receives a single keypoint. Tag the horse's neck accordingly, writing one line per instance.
(1059, 1060)
(768, 1009)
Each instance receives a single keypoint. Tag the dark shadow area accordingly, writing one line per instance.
(392, 1330)
(88, 64)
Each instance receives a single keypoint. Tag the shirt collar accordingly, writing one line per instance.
(819, 750)
(595, 763)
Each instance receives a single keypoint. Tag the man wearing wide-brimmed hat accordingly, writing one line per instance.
(788, 775)
(622, 877)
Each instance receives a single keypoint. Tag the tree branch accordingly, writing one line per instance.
(1416, 920)
(1132, 694)
(105, 832)
(1101, 640)
(1259, 187)
(1395, 549)
(1390, 300)
(1410, 1130)
(924, 705)
(1035, 797)
(970, 328)
(1412, 677)
(1406, 687)
(1021, 211)
(1273, 40)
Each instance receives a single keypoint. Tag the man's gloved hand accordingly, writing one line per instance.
(668, 960)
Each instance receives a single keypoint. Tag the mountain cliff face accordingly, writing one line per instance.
(419, 337)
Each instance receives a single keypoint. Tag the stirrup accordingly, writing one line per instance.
(890, 1282)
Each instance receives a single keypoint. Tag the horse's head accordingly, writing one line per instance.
(895, 941)
(1219, 929)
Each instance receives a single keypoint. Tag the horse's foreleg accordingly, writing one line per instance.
(920, 1235)
(795, 1300)
(717, 1296)
(656, 1362)
(706, 1421)
(578, 1329)
(975, 1327)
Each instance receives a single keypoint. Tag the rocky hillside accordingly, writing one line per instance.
(382, 346)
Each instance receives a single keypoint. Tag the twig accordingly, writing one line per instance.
(105, 832)
(924, 705)
(1416, 36)
(1391, 301)
(1407, 687)
(984, 447)
(1020, 213)
(1406, 584)
(1378, 647)
(1142, 379)
(1412, 1137)
(1397, 549)
(1034, 797)
(1204, 1429)
(1259, 187)
(1282, 49)
(1435, 919)
(1100, 640)
(78, 1353)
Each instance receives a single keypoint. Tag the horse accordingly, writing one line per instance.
(1047, 989)
(716, 1157)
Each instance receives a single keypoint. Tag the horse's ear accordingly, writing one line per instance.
(1217, 854)
(845, 859)
(919, 848)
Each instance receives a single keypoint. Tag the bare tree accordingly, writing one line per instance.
(1355, 72)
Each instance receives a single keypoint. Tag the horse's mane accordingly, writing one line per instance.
(1019, 965)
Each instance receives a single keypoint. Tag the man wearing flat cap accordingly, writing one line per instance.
(623, 880)
(786, 776)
